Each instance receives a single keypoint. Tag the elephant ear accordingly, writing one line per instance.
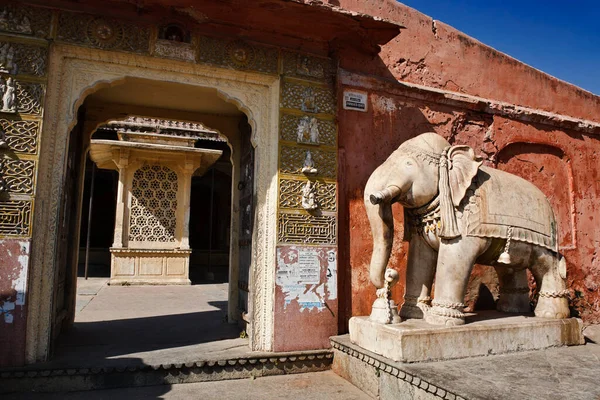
(462, 168)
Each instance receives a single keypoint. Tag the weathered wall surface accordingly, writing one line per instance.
(557, 156)
(437, 55)
(13, 292)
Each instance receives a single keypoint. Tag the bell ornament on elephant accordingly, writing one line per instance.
(458, 213)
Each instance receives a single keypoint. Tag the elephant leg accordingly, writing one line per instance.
(553, 299)
(455, 262)
(514, 290)
(420, 270)
(514, 286)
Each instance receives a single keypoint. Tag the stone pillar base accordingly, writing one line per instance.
(487, 333)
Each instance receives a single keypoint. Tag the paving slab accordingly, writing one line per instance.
(551, 374)
(310, 386)
(148, 325)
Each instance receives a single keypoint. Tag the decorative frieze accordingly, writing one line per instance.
(20, 136)
(293, 160)
(19, 58)
(291, 193)
(305, 66)
(306, 228)
(103, 33)
(302, 129)
(309, 99)
(15, 217)
(17, 175)
(176, 50)
(25, 20)
(238, 54)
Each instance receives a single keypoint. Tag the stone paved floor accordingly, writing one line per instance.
(135, 325)
(311, 386)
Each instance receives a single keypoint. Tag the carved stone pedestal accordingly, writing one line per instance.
(484, 334)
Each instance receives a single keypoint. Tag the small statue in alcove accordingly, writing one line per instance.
(309, 164)
(309, 201)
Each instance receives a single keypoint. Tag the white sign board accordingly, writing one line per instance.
(356, 101)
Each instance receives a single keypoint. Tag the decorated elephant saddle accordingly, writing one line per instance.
(502, 205)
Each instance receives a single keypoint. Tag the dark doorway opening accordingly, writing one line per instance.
(210, 220)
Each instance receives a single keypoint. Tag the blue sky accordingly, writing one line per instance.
(561, 38)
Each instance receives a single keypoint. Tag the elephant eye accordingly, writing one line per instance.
(409, 163)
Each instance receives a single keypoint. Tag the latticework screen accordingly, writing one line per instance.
(153, 205)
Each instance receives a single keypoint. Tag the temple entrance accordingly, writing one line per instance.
(150, 260)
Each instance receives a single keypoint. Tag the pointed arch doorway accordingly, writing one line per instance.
(255, 95)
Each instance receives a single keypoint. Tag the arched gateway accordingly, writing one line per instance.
(84, 72)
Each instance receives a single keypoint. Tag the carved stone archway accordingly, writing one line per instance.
(76, 72)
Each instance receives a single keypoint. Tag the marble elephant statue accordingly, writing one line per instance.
(458, 213)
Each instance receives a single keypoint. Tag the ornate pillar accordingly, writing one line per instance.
(122, 160)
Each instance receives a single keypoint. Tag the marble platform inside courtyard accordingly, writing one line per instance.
(484, 333)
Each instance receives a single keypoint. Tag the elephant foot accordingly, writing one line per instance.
(515, 301)
(445, 313)
(553, 305)
(415, 308)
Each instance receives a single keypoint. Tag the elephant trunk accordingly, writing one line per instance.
(378, 204)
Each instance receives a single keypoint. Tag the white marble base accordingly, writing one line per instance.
(486, 333)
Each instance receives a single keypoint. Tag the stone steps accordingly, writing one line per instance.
(32, 379)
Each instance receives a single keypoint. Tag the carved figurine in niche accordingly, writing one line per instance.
(303, 67)
(4, 19)
(308, 130)
(309, 165)
(9, 96)
(309, 101)
(309, 201)
(7, 55)
(24, 26)
(458, 213)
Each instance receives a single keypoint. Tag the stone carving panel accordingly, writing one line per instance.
(15, 217)
(290, 126)
(103, 33)
(25, 20)
(306, 228)
(311, 99)
(30, 98)
(291, 161)
(307, 67)
(17, 175)
(238, 54)
(176, 50)
(290, 194)
(19, 58)
(21, 136)
(153, 205)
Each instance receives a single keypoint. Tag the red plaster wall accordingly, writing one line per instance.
(562, 163)
(14, 258)
(440, 56)
(298, 325)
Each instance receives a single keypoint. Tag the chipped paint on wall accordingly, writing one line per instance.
(15, 276)
(307, 275)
